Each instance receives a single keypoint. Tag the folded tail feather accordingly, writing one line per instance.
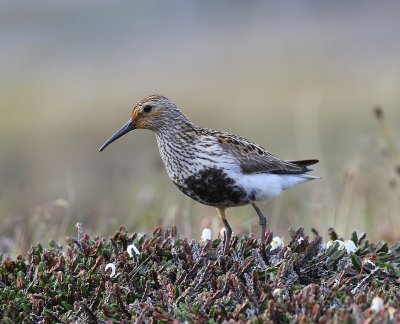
(304, 163)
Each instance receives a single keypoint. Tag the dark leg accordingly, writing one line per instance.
(263, 222)
(228, 229)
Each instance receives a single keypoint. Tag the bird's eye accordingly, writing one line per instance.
(147, 108)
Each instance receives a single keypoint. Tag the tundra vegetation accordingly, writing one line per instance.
(164, 277)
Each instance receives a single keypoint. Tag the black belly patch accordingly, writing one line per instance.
(212, 186)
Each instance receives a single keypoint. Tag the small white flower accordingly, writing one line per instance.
(391, 311)
(134, 248)
(349, 246)
(112, 267)
(377, 304)
(330, 243)
(276, 243)
(206, 235)
(277, 292)
(300, 239)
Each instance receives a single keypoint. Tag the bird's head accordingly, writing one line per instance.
(154, 112)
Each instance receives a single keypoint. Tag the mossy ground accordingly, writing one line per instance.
(173, 278)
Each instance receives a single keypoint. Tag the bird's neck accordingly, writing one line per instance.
(172, 139)
(177, 148)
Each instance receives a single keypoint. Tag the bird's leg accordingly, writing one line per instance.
(228, 229)
(263, 222)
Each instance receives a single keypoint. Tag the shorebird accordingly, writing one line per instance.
(212, 167)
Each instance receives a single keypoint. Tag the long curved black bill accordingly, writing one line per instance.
(125, 129)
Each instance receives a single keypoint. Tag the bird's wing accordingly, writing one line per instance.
(255, 159)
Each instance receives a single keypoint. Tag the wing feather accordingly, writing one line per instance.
(255, 159)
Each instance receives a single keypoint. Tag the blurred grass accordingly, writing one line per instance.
(301, 83)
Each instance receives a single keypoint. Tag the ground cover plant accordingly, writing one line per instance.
(163, 277)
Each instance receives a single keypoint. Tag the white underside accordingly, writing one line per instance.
(267, 186)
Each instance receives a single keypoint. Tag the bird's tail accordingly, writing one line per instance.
(305, 164)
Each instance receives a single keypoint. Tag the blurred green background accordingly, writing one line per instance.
(301, 79)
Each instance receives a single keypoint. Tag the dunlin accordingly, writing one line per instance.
(212, 167)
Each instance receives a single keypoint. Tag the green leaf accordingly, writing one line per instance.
(382, 247)
(332, 249)
(215, 243)
(356, 260)
(354, 238)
